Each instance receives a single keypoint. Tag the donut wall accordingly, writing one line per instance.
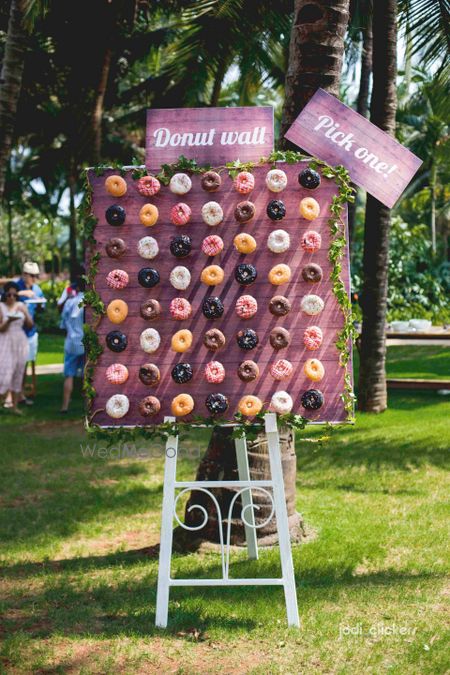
(218, 297)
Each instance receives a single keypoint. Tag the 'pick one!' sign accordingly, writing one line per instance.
(337, 134)
(209, 135)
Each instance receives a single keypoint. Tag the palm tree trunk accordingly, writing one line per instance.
(11, 83)
(433, 178)
(315, 55)
(218, 80)
(372, 376)
(97, 116)
(73, 261)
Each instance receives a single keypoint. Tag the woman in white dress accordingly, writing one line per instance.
(13, 343)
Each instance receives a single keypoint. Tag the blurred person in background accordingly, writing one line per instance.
(72, 320)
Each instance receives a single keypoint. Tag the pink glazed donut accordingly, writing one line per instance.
(312, 337)
(148, 186)
(212, 245)
(117, 373)
(246, 306)
(311, 241)
(244, 182)
(214, 372)
(180, 214)
(180, 309)
(117, 279)
(281, 369)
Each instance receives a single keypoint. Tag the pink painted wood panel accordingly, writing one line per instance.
(209, 135)
(330, 320)
(337, 134)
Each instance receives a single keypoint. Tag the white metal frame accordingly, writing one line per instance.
(245, 486)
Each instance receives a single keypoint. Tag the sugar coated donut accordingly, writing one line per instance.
(212, 213)
(279, 305)
(117, 406)
(278, 241)
(216, 403)
(212, 245)
(244, 212)
(247, 339)
(116, 341)
(212, 307)
(180, 277)
(180, 309)
(150, 309)
(148, 277)
(281, 402)
(312, 304)
(149, 374)
(248, 371)
(246, 306)
(281, 369)
(314, 370)
(180, 214)
(214, 372)
(183, 404)
(117, 311)
(211, 181)
(244, 243)
(309, 208)
(308, 178)
(115, 247)
(182, 373)
(115, 186)
(279, 338)
(117, 373)
(280, 274)
(148, 248)
(250, 406)
(150, 340)
(181, 246)
(181, 340)
(312, 337)
(214, 339)
(148, 215)
(212, 275)
(312, 399)
(245, 274)
(276, 180)
(244, 182)
(148, 186)
(311, 241)
(115, 215)
(149, 406)
(276, 210)
(180, 184)
(117, 279)
(312, 273)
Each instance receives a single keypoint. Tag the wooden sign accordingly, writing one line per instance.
(330, 320)
(337, 134)
(209, 135)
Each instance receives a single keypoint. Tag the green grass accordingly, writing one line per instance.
(422, 362)
(79, 566)
(51, 349)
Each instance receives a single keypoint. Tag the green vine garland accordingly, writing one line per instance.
(242, 426)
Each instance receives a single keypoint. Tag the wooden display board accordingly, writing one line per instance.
(330, 320)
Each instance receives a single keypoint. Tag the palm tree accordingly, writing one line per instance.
(372, 395)
(315, 54)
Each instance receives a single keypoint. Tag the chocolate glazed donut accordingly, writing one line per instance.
(279, 305)
(115, 247)
(211, 181)
(214, 339)
(248, 371)
(244, 212)
(149, 374)
(150, 309)
(216, 403)
(116, 341)
(148, 277)
(312, 399)
(312, 273)
(279, 338)
(115, 215)
(149, 405)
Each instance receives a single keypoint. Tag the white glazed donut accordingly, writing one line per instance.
(278, 241)
(180, 184)
(212, 213)
(276, 180)
(281, 402)
(117, 406)
(312, 304)
(150, 340)
(180, 277)
(148, 248)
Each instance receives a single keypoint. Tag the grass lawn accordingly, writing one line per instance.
(79, 557)
(51, 349)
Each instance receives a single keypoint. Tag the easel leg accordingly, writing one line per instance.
(165, 547)
(246, 498)
(287, 565)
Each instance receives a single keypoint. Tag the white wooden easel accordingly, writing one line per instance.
(245, 487)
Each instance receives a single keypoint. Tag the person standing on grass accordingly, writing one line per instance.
(14, 318)
(72, 320)
(29, 292)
